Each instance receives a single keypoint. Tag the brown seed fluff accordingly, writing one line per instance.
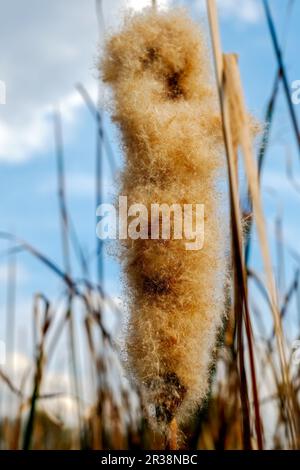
(166, 109)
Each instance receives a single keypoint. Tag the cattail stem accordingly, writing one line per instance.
(173, 435)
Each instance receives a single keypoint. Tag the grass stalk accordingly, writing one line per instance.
(241, 288)
(283, 72)
(67, 260)
(39, 369)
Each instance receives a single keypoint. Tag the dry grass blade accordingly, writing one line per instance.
(283, 72)
(39, 369)
(241, 287)
(70, 283)
(267, 124)
(102, 134)
(44, 259)
(11, 317)
(253, 182)
(10, 384)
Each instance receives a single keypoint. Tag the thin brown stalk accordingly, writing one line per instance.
(39, 370)
(252, 177)
(236, 227)
(11, 311)
(173, 437)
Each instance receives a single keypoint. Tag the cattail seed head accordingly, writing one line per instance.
(165, 107)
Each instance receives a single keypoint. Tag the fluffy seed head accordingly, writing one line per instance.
(165, 107)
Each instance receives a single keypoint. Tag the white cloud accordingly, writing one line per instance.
(249, 11)
(17, 141)
(48, 47)
(246, 11)
(139, 4)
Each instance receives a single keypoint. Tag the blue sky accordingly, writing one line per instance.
(59, 49)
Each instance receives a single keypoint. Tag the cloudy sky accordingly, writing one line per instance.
(46, 48)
